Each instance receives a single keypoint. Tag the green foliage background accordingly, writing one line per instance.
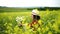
(49, 22)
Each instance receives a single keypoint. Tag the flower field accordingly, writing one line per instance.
(49, 23)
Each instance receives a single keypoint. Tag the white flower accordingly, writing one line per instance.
(19, 18)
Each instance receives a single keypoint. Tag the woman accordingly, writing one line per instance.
(35, 16)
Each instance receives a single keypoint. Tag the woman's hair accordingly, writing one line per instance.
(36, 17)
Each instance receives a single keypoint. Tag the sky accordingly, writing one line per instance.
(30, 3)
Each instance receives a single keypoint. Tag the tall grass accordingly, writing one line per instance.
(50, 23)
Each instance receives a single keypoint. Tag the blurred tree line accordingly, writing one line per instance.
(45, 8)
(19, 9)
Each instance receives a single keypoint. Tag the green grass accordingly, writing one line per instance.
(50, 22)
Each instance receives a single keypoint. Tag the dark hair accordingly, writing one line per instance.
(36, 17)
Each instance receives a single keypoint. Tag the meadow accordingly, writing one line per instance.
(49, 22)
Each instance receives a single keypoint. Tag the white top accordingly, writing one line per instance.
(35, 12)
